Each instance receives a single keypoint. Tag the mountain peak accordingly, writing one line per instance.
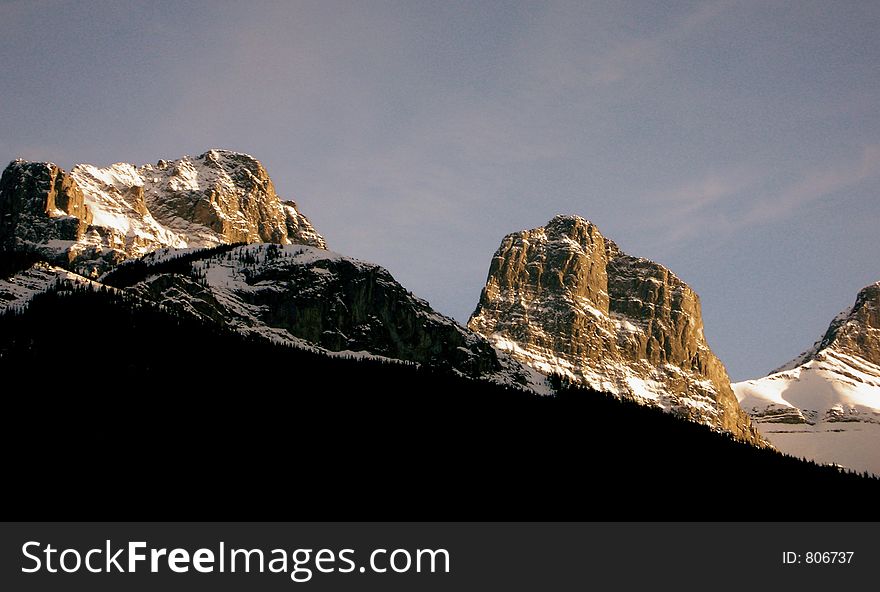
(570, 219)
(569, 226)
(565, 299)
(216, 153)
(859, 333)
(855, 329)
(93, 217)
(219, 158)
(868, 299)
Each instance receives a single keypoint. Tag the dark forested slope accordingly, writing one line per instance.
(116, 409)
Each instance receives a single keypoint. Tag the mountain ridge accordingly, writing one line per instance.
(309, 297)
(92, 218)
(302, 296)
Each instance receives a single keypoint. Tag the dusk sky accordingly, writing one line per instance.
(736, 142)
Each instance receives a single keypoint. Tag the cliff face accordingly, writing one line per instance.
(39, 203)
(218, 197)
(92, 218)
(564, 299)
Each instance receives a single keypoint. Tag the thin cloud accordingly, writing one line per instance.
(718, 205)
(698, 206)
(637, 54)
(817, 185)
(704, 191)
(567, 53)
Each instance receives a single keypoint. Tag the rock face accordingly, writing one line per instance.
(564, 299)
(825, 404)
(40, 203)
(311, 297)
(92, 218)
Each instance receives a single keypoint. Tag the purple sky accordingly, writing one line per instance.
(737, 142)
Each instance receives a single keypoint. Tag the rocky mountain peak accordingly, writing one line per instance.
(565, 299)
(565, 259)
(94, 217)
(855, 331)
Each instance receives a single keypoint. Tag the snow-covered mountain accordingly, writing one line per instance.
(313, 298)
(92, 218)
(564, 299)
(298, 295)
(18, 290)
(825, 404)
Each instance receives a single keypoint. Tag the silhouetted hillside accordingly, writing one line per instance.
(115, 409)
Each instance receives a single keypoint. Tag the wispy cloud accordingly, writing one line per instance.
(574, 49)
(704, 191)
(715, 206)
(699, 206)
(633, 55)
(816, 185)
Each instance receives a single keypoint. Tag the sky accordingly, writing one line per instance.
(736, 142)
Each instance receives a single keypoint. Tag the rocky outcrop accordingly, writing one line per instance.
(825, 404)
(218, 197)
(299, 230)
(92, 218)
(566, 300)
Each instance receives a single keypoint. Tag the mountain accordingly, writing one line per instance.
(825, 404)
(92, 218)
(182, 325)
(565, 300)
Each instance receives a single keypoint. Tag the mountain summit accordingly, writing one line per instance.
(825, 404)
(564, 299)
(92, 218)
(855, 331)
